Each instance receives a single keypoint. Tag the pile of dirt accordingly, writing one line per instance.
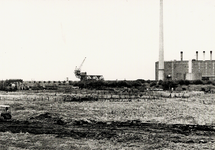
(174, 128)
(43, 116)
(48, 117)
(182, 120)
(86, 122)
(78, 98)
(128, 131)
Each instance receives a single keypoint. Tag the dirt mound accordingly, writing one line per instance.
(48, 117)
(43, 116)
(88, 122)
(127, 131)
(60, 122)
(79, 98)
(84, 122)
(183, 120)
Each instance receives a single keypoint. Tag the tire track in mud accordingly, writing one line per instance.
(119, 131)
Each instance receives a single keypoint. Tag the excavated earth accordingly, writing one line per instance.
(30, 118)
(90, 129)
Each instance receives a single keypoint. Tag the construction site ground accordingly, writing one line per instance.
(45, 121)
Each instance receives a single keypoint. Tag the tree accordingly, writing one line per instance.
(167, 85)
(136, 83)
(186, 82)
(123, 84)
(198, 82)
(153, 84)
(141, 81)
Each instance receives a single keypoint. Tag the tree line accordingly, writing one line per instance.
(142, 84)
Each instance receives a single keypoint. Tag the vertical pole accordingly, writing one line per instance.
(161, 50)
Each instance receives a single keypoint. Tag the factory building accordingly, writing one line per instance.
(188, 69)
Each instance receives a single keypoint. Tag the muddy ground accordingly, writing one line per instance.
(133, 131)
(46, 121)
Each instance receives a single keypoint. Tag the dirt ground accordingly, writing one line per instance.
(45, 121)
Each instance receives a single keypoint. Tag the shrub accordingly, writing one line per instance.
(160, 82)
(123, 84)
(184, 89)
(148, 81)
(186, 82)
(136, 83)
(167, 85)
(181, 82)
(95, 84)
(198, 82)
(209, 82)
(153, 84)
(141, 80)
(36, 87)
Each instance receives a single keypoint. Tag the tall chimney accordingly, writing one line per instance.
(181, 55)
(161, 50)
(196, 55)
(210, 55)
(203, 55)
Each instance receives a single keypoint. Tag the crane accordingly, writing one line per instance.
(83, 75)
(81, 64)
(78, 72)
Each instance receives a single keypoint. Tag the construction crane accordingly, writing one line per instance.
(83, 75)
(81, 64)
(78, 72)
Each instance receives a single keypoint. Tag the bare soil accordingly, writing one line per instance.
(44, 121)
(132, 131)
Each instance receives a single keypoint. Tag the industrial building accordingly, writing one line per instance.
(183, 69)
(188, 69)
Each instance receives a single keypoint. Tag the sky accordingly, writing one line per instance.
(46, 39)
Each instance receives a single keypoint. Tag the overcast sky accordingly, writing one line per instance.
(46, 39)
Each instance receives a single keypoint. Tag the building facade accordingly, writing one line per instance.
(188, 69)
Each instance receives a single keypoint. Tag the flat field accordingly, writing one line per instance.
(44, 120)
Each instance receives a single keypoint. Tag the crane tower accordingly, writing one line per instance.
(83, 75)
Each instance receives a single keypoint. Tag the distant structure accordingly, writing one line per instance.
(188, 69)
(83, 75)
(12, 84)
(161, 50)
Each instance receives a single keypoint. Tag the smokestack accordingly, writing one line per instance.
(203, 55)
(181, 55)
(196, 55)
(161, 50)
(210, 55)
